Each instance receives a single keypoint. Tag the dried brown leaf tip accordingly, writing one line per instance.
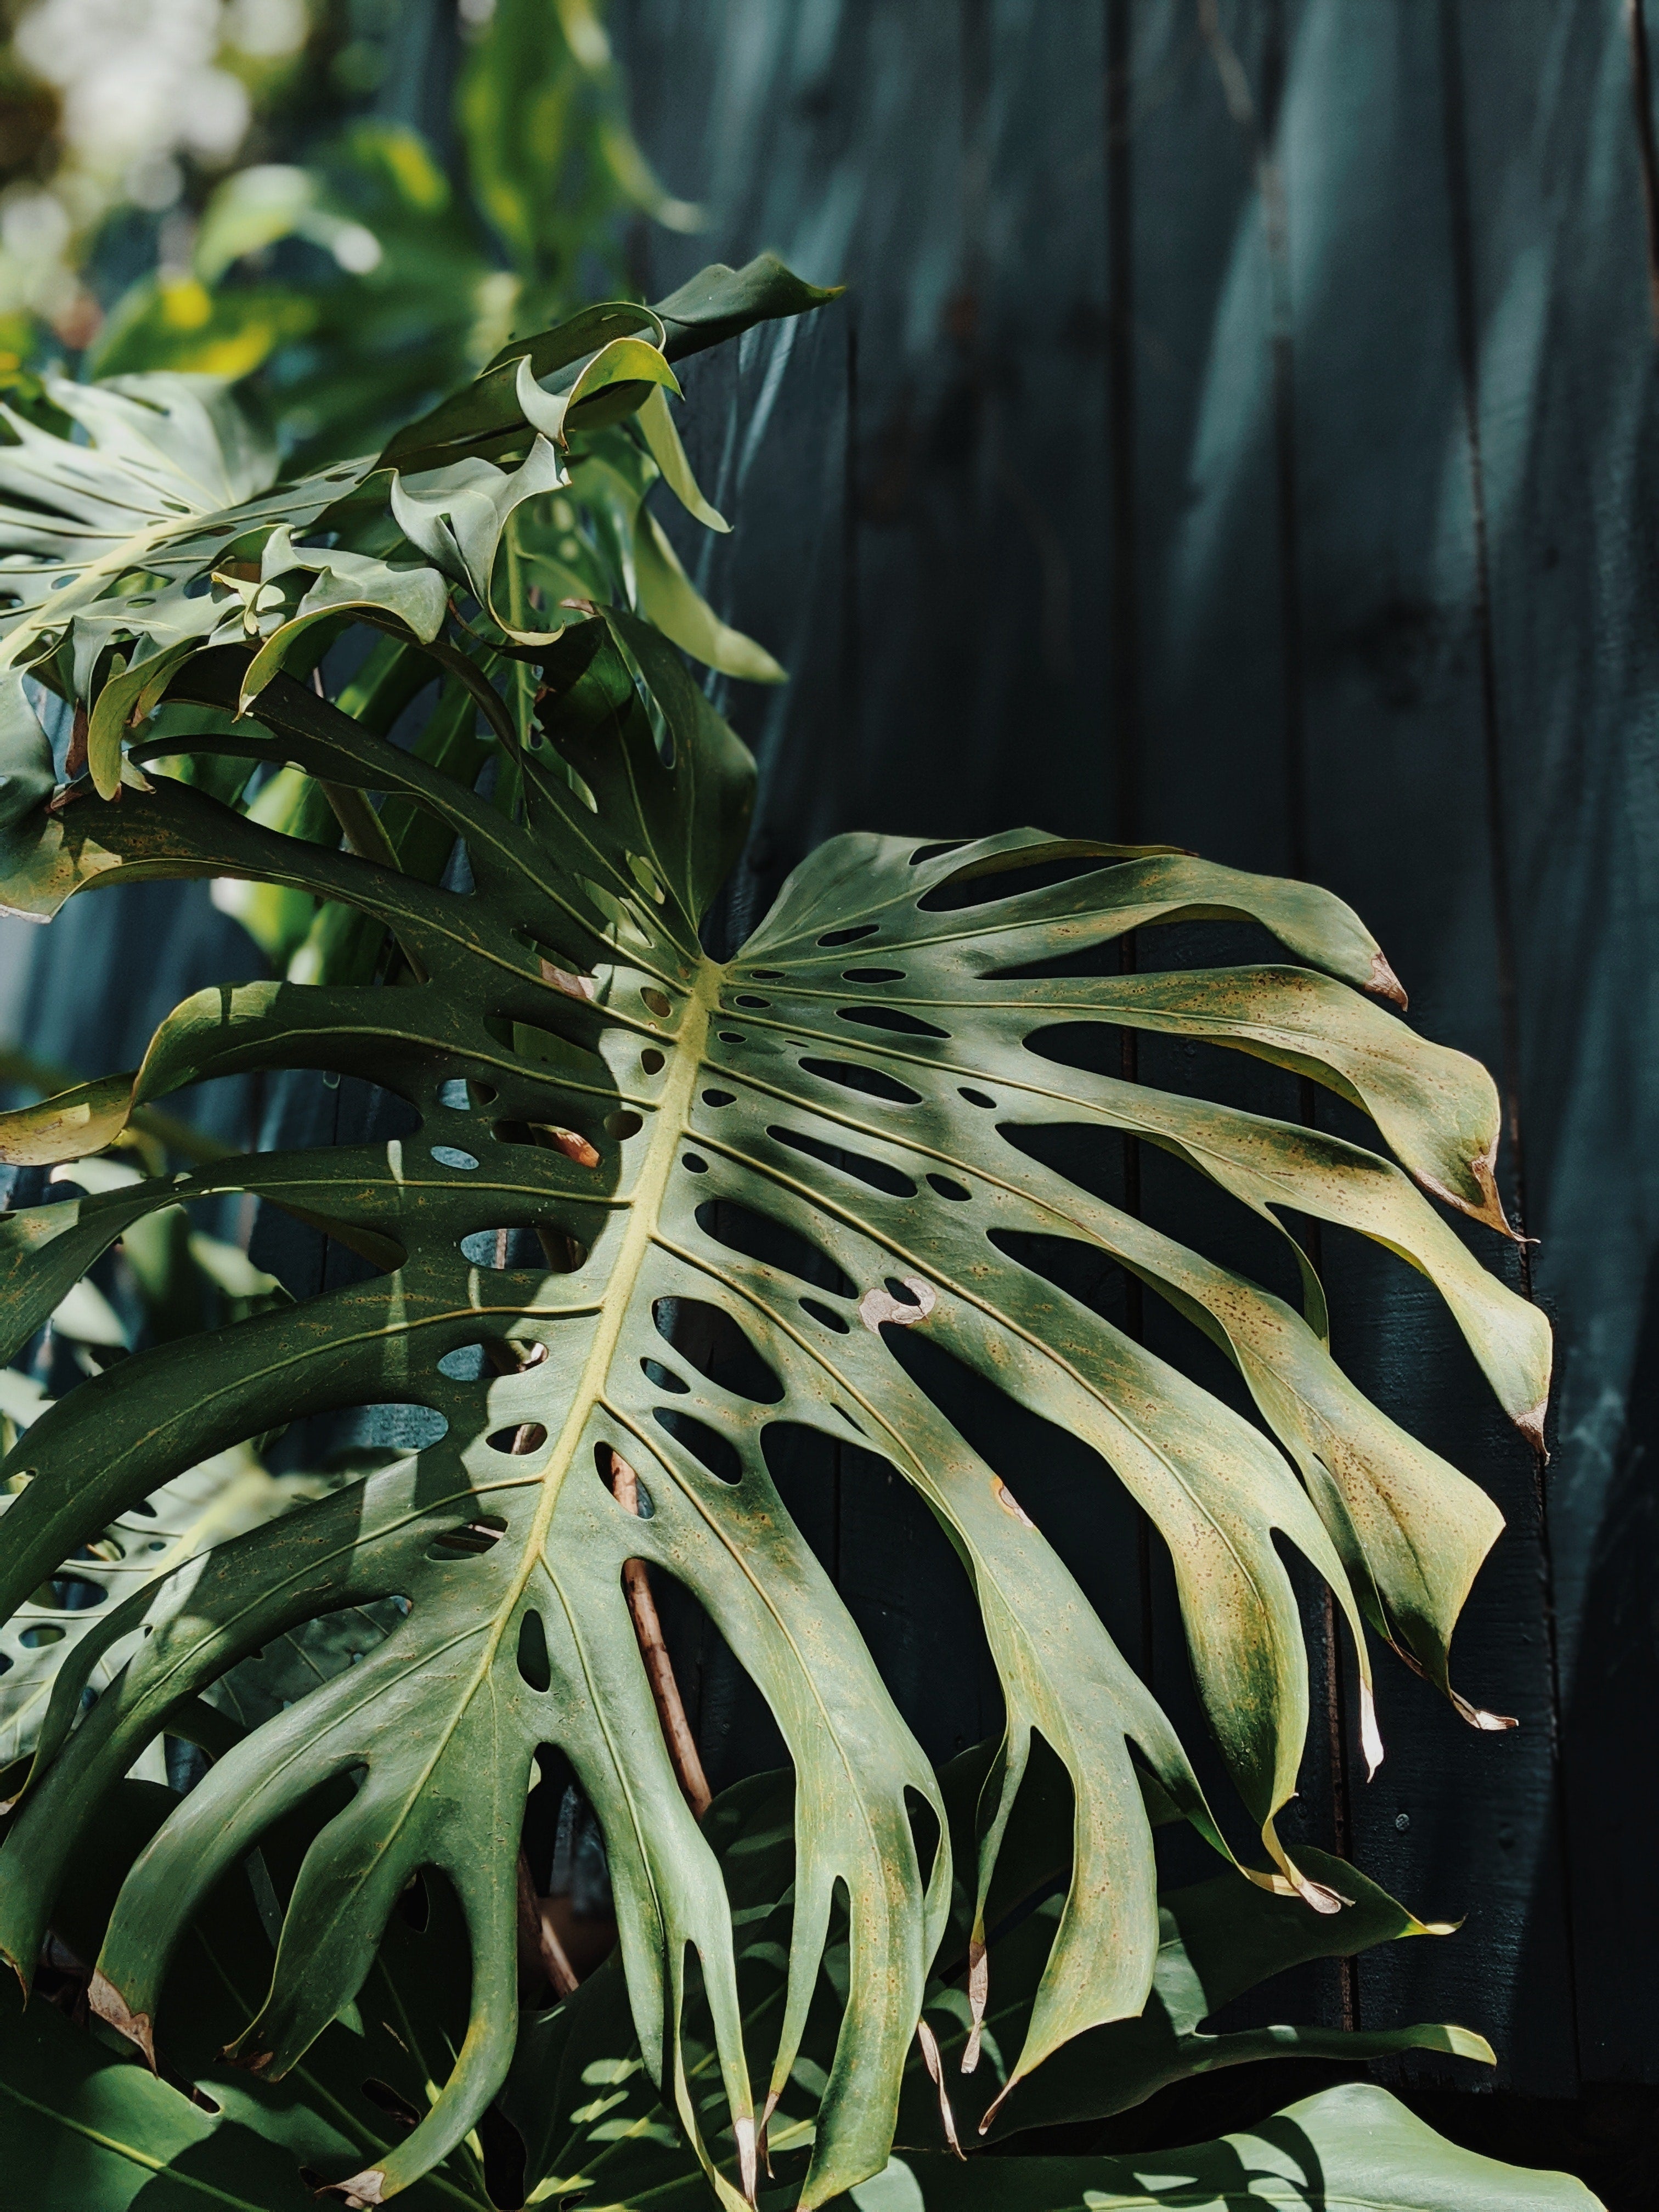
(362, 2189)
(935, 2065)
(979, 1989)
(110, 2007)
(1385, 984)
(1531, 1425)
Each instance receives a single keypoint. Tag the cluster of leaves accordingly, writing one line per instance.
(351, 289)
(622, 1150)
(589, 2125)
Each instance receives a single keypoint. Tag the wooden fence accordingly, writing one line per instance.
(1240, 432)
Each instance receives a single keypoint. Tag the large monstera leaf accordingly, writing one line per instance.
(827, 1148)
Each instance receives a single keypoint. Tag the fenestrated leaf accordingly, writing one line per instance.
(599, 1105)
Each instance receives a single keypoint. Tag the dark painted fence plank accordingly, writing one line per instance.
(1567, 420)
(1397, 820)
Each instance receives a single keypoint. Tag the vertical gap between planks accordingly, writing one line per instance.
(1460, 200)
(1123, 623)
(850, 677)
(1270, 178)
(1641, 82)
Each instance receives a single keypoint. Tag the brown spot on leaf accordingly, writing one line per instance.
(1006, 1499)
(879, 1305)
(572, 986)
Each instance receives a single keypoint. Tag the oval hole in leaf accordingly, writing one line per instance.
(763, 975)
(449, 1155)
(827, 1314)
(695, 1162)
(650, 1059)
(624, 1123)
(876, 1173)
(976, 884)
(873, 974)
(890, 1018)
(975, 1097)
(947, 1188)
(534, 1664)
(550, 1137)
(415, 1902)
(523, 1437)
(75, 1595)
(773, 1245)
(924, 1830)
(719, 1097)
(663, 1378)
(1083, 1271)
(502, 1249)
(40, 1633)
(397, 2110)
(703, 1444)
(471, 1538)
(717, 1347)
(732, 1036)
(849, 936)
(874, 1082)
(748, 999)
(657, 1002)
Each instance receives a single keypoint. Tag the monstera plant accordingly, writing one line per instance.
(433, 700)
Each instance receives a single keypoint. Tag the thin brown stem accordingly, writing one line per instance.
(659, 1667)
(540, 1952)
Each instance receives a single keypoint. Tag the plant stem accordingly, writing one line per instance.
(659, 1668)
(539, 1948)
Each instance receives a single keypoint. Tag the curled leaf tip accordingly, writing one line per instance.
(110, 2007)
(1384, 983)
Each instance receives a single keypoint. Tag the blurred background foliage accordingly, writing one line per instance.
(290, 192)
